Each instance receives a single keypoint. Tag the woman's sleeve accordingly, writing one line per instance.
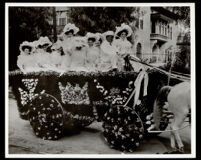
(103, 47)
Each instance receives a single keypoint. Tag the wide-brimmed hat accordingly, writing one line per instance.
(69, 27)
(79, 41)
(56, 45)
(28, 44)
(123, 27)
(42, 41)
(108, 33)
(99, 35)
(92, 35)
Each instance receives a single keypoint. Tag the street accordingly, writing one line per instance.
(87, 141)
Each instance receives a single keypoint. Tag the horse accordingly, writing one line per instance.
(177, 100)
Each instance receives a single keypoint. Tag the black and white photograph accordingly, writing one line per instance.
(100, 80)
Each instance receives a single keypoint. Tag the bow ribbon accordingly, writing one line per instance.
(142, 75)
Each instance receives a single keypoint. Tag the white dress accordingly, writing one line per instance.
(123, 48)
(67, 44)
(43, 60)
(108, 58)
(78, 60)
(67, 48)
(93, 58)
(27, 63)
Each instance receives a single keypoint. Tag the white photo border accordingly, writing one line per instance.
(193, 85)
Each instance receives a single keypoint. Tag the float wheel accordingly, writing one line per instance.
(46, 117)
(123, 128)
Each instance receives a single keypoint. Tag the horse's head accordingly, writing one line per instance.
(163, 93)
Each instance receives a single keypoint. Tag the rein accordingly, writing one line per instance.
(169, 130)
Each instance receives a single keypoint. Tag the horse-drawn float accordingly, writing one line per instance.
(123, 101)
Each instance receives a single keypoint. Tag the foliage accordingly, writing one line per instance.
(26, 24)
(101, 19)
(182, 63)
(183, 12)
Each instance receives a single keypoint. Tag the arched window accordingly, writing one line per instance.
(139, 50)
(155, 52)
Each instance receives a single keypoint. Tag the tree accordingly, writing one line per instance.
(26, 24)
(182, 63)
(54, 24)
(101, 19)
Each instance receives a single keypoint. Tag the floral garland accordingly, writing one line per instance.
(115, 95)
(79, 119)
(74, 94)
(75, 73)
(30, 84)
(27, 96)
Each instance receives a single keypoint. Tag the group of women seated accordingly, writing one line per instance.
(91, 53)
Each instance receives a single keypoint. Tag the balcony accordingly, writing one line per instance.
(158, 16)
(159, 37)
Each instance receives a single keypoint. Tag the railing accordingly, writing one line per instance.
(159, 37)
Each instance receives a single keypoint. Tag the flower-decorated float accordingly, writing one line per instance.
(55, 102)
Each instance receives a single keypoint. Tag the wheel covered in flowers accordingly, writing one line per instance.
(123, 128)
(46, 117)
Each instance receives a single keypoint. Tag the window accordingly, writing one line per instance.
(170, 32)
(137, 23)
(139, 50)
(141, 23)
(62, 21)
(159, 27)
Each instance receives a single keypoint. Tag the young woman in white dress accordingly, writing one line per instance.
(42, 57)
(78, 57)
(108, 56)
(69, 31)
(26, 61)
(123, 45)
(93, 52)
(56, 55)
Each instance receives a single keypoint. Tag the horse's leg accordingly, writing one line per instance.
(179, 119)
(172, 139)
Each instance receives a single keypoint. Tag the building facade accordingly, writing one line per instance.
(62, 18)
(156, 34)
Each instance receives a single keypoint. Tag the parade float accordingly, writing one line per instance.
(123, 101)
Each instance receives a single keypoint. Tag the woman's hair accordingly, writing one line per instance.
(109, 35)
(49, 49)
(119, 34)
(70, 31)
(41, 46)
(91, 39)
(28, 47)
(100, 40)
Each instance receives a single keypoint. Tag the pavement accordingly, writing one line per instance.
(90, 140)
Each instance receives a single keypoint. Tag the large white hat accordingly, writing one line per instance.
(92, 35)
(56, 45)
(108, 33)
(123, 27)
(99, 35)
(42, 41)
(79, 41)
(26, 43)
(79, 38)
(69, 27)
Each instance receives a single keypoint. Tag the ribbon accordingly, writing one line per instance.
(142, 75)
